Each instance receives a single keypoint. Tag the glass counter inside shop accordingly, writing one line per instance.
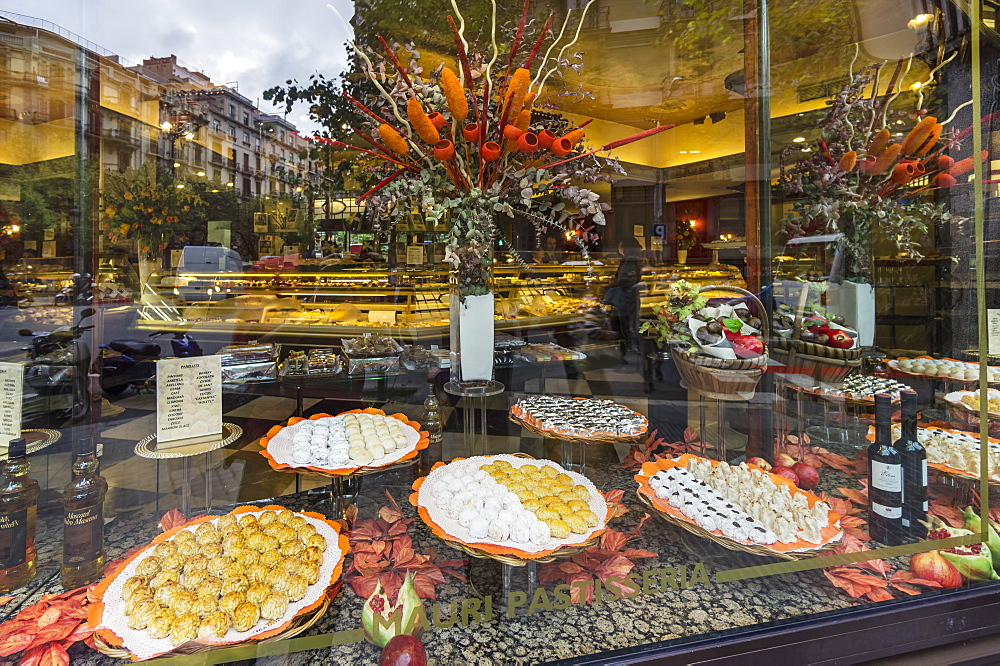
(663, 335)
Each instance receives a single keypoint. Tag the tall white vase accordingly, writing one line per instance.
(856, 301)
(471, 337)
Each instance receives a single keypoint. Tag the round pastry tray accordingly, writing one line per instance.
(509, 558)
(146, 447)
(753, 549)
(299, 625)
(941, 468)
(954, 399)
(288, 627)
(840, 396)
(408, 459)
(595, 439)
(894, 364)
(37, 439)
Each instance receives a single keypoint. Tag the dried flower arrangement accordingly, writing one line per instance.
(465, 146)
(858, 183)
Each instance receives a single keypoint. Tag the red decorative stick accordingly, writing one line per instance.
(395, 62)
(463, 57)
(538, 42)
(364, 109)
(378, 187)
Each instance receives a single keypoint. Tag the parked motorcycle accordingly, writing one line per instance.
(56, 386)
(78, 291)
(124, 363)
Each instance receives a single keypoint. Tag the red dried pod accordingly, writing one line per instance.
(471, 132)
(511, 132)
(562, 147)
(545, 139)
(903, 173)
(527, 142)
(919, 169)
(944, 180)
(444, 150)
(437, 119)
(944, 162)
(866, 164)
(491, 151)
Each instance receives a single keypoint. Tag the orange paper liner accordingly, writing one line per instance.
(422, 443)
(490, 547)
(95, 613)
(527, 418)
(941, 467)
(650, 468)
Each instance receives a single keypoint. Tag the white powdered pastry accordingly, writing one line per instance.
(947, 368)
(958, 450)
(344, 441)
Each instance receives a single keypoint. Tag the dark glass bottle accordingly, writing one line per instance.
(885, 474)
(18, 510)
(83, 519)
(913, 458)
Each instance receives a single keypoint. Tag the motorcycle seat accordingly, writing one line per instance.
(135, 347)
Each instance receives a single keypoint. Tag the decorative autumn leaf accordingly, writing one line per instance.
(947, 513)
(56, 631)
(855, 496)
(614, 497)
(16, 641)
(172, 519)
(48, 617)
(878, 594)
(425, 586)
(6, 600)
(613, 541)
(690, 435)
(638, 553)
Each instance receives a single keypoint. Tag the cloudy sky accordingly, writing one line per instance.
(257, 43)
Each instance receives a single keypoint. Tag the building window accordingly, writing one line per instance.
(246, 118)
(246, 161)
(232, 131)
(216, 126)
(232, 111)
(246, 186)
(246, 138)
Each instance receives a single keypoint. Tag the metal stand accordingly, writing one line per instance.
(474, 396)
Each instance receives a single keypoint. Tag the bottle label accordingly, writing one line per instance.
(887, 477)
(13, 538)
(83, 534)
(891, 512)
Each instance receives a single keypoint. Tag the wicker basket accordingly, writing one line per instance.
(718, 378)
(822, 363)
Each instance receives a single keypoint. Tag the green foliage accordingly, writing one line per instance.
(668, 325)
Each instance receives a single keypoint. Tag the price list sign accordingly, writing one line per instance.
(11, 385)
(188, 400)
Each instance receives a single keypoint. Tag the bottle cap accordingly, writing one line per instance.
(908, 399)
(17, 448)
(82, 447)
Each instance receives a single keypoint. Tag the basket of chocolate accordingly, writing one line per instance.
(372, 353)
(716, 337)
(811, 341)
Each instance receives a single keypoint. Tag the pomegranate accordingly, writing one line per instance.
(760, 462)
(786, 472)
(932, 566)
(784, 460)
(808, 476)
(403, 650)
(973, 561)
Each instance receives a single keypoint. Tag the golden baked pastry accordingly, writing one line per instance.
(589, 516)
(189, 548)
(284, 533)
(257, 592)
(558, 528)
(164, 549)
(150, 566)
(194, 579)
(312, 554)
(246, 557)
(296, 588)
(577, 525)
(212, 550)
(182, 537)
(547, 472)
(271, 558)
(569, 495)
(175, 561)
(159, 626)
(307, 532)
(211, 585)
(230, 600)
(233, 569)
(258, 573)
(206, 604)
(227, 521)
(275, 606)
(138, 597)
(285, 516)
(141, 615)
(245, 616)
(134, 584)
(214, 625)
(206, 533)
(234, 584)
(292, 547)
(581, 492)
(267, 518)
(231, 541)
(256, 541)
(195, 563)
(217, 565)
(247, 521)
(310, 571)
(547, 514)
(290, 564)
(578, 505)
(184, 628)
(164, 577)
(298, 522)
(166, 593)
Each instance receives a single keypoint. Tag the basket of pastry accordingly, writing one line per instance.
(354, 442)
(811, 341)
(964, 409)
(953, 452)
(716, 337)
(740, 507)
(254, 574)
(577, 419)
(510, 508)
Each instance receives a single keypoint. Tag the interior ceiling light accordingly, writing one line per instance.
(694, 152)
(919, 21)
(916, 86)
(798, 139)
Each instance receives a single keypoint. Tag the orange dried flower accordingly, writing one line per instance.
(574, 136)
(944, 180)
(422, 125)
(884, 160)
(517, 89)
(879, 142)
(523, 120)
(393, 140)
(529, 99)
(918, 135)
(931, 140)
(964, 166)
(454, 93)
(848, 161)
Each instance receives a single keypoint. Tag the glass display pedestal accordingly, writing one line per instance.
(474, 395)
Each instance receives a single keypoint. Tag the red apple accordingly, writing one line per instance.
(932, 566)
(784, 460)
(760, 462)
(786, 472)
(747, 346)
(403, 650)
(808, 476)
(840, 340)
